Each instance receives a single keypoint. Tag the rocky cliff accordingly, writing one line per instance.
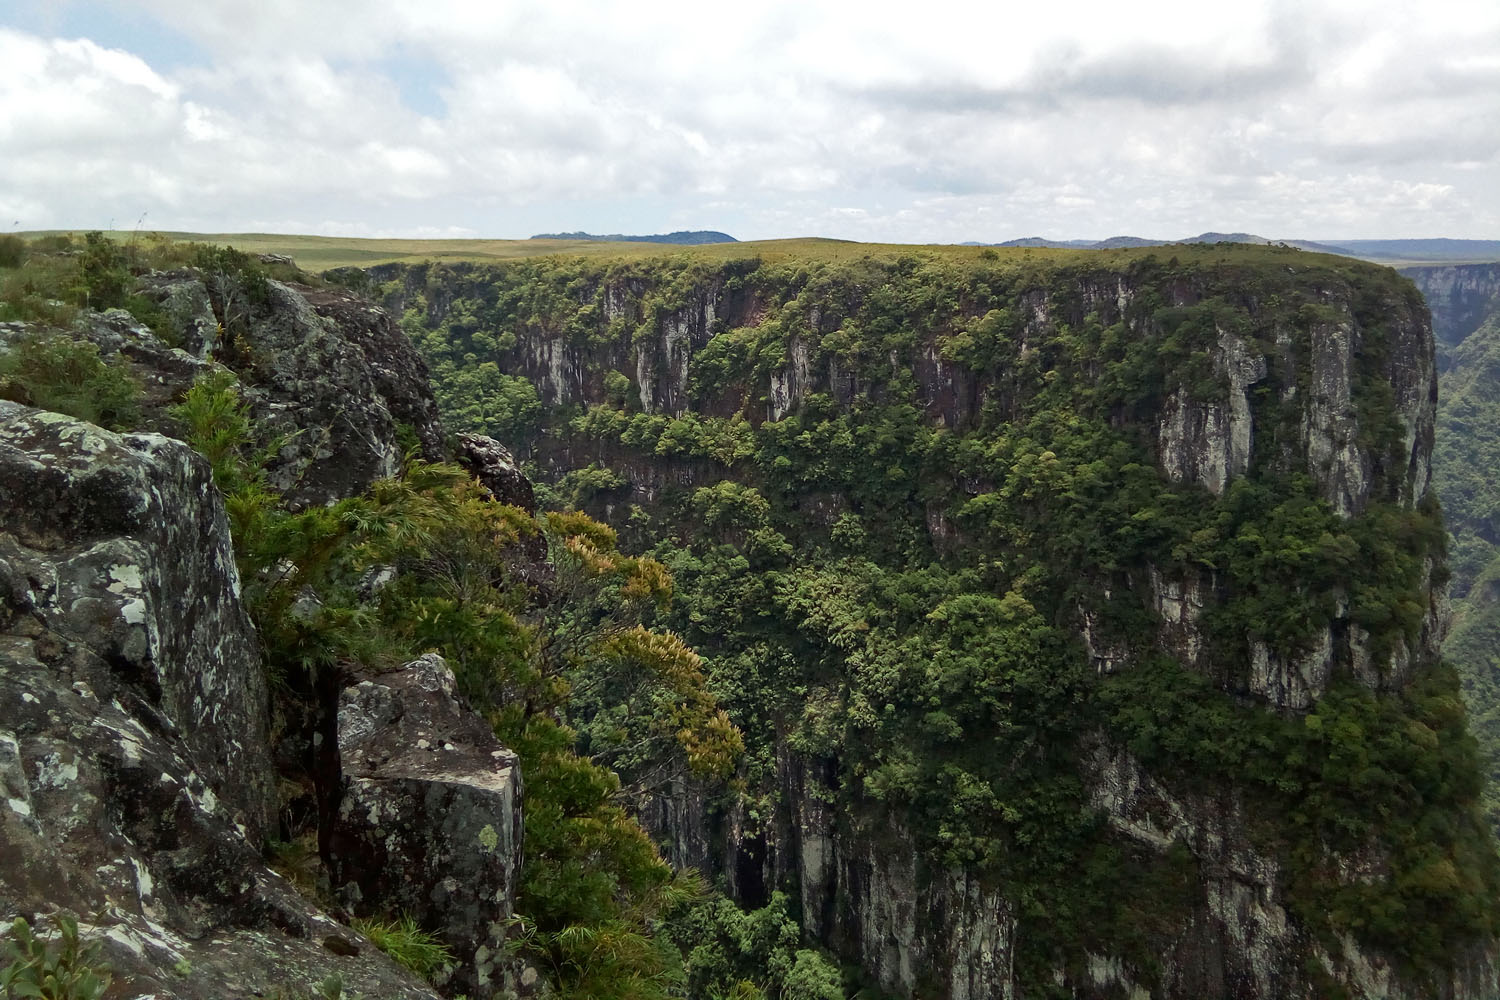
(144, 772)
(1464, 464)
(1041, 586)
(1460, 296)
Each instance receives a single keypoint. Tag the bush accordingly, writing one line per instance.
(34, 969)
(12, 251)
(67, 376)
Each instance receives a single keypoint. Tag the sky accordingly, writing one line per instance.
(918, 122)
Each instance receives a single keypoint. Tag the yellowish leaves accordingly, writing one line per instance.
(578, 525)
(711, 742)
(662, 653)
(647, 579)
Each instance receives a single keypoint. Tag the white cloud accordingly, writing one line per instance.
(876, 120)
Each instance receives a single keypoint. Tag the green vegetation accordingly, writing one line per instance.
(407, 944)
(35, 969)
(885, 497)
(48, 280)
(67, 376)
(889, 573)
(1464, 466)
(757, 955)
(592, 885)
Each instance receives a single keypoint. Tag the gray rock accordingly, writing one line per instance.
(135, 778)
(1461, 296)
(119, 544)
(184, 299)
(493, 465)
(326, 370)
(430, 820)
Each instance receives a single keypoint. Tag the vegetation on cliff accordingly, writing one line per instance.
(886, 568)
(456, 572)
(898, 523)
(1464, 467)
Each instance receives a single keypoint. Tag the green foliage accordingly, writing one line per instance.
(1359, 768)
(592, 883)
(407, 943)
(1465, 457)
(482, 400)
(733, 954)
(34, 968)
(891, 576)
(12, 251)
(103, 274)
(40, 291)
(298, 862)
(54, 277)
(58, 373)
(580, 486)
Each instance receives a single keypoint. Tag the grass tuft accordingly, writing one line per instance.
(407, 944)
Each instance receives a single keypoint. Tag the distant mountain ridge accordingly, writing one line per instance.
(1433, 250)
(683, 237)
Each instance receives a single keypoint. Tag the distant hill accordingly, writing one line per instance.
(1434, 251)
(684, 237)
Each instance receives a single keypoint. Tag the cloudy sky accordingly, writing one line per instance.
(928, 121)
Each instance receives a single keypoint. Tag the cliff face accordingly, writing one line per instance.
(143, 774)
(1196, 493)
(135, 752)
(1461, 297)
(1464, 463)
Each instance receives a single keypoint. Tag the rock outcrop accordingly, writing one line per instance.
(134, 757)
(322, 367)
(333, 375)
(492, 464)
(138, 776)
(429, 823)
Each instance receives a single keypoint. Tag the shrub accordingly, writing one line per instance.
(68, 376)
(35, 969)
(12, 251)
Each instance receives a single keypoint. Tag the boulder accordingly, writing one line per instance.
(493, 465)
(429, 824)
(118, 545)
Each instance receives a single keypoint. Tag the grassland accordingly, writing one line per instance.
(320, 253)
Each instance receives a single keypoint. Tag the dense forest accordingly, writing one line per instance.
(919, 508)
(1467, 318)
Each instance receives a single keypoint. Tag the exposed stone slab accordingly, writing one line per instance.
(430, 820)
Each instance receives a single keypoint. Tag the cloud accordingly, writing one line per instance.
(872, 120)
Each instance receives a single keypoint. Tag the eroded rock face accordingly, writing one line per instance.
(188, 308)
(1208, 441)
(334, 375)
(118, 544)
(135, 779)
(326, 370)
(1461, 296)
(430, 819)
